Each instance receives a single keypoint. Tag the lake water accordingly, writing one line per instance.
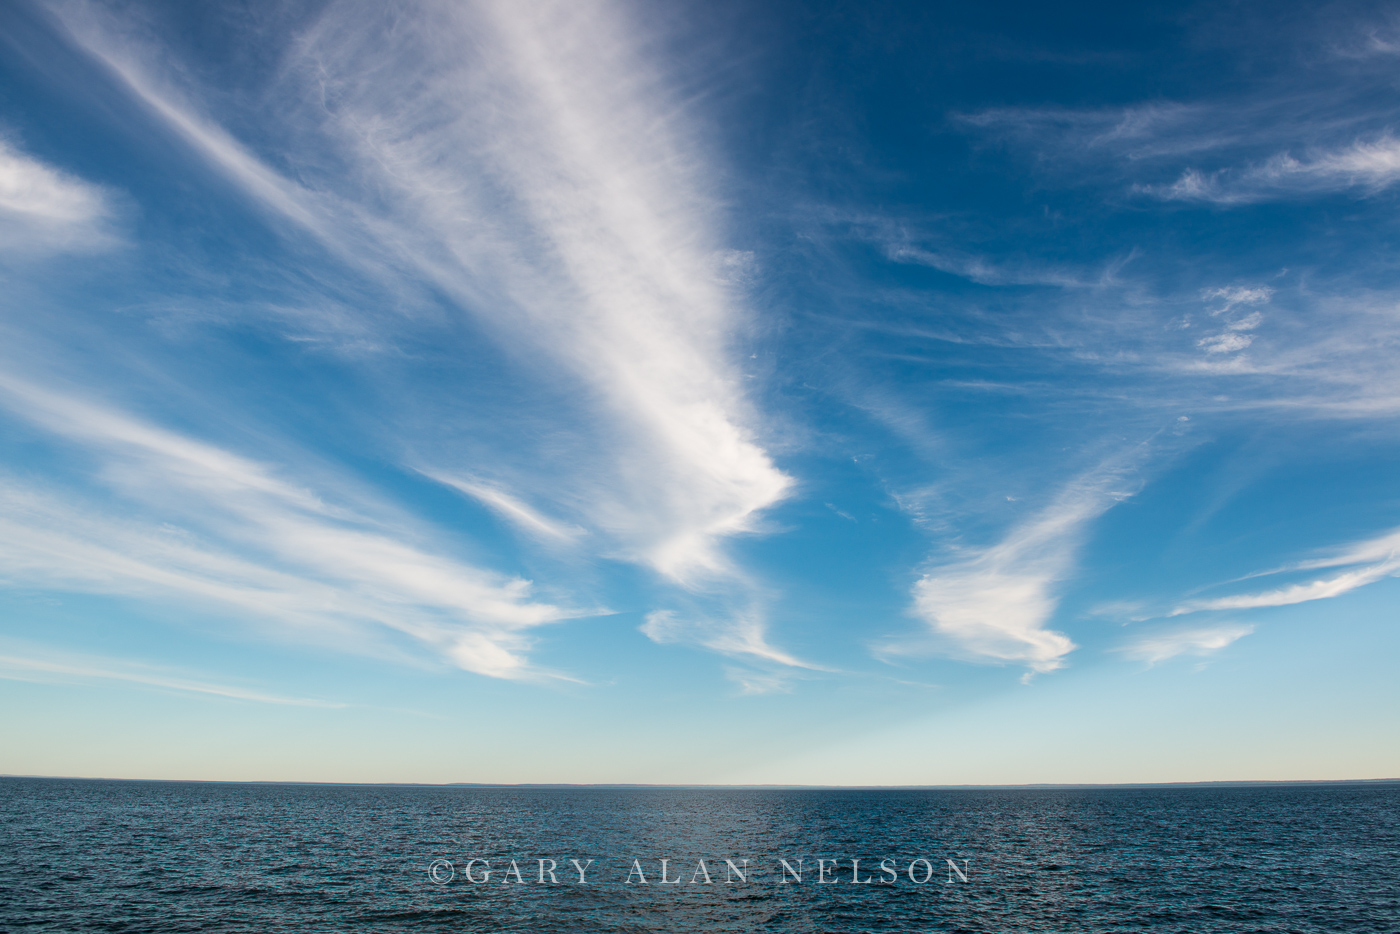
(122, 856)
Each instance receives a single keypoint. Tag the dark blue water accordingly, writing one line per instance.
(80, 856)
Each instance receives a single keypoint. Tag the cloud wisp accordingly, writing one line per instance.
(1198, 641)
(978, 269)
(45, 210)
(742, 635)
(512, 509)
(1284, 138)
(601, 251)
(1371, 560)
(1138, 132)
(550, 181)
(993, 604)
(1235, 334)
(54, 668)
(1366, 166)
(204, 525)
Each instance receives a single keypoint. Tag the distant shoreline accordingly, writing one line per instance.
(529, 786)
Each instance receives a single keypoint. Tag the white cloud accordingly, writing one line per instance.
(43, 209)
(1224, 343)
(67, 668)
(979, 270)
(1137, 132)
(605, 256)
(740, 634)
(1372, 165)
(991, 613)
(1383, 549)
(1251, 136)
(224, 531)
(1379, 43)
(1233, 295)
(993, 604)
(751, 682)
(511, 508)
(1379, 556)
(1232, 337)
(531, 162)
(1161, 646)
(1191, 186)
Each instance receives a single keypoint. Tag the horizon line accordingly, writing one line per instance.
(1030, 786)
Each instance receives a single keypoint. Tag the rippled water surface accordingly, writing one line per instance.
(173, 856)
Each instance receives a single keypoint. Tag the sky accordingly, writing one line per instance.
(796, 392)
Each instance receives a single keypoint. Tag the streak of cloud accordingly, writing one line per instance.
(1199, 641)
(86, 670)
(220, 529)
(1369, 166)
(512, 509)
(44, 210)
(1379, 558)
(550, 182)
(993, 604)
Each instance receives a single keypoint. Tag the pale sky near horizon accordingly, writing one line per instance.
(602, 391)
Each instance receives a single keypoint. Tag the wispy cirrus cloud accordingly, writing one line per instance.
(1281, 139)
(1199, 641)
(1235, 334)
(602, 250)
(1368, 166)
(766, 668)
(520, 514)
(992, 605)
(19, 662)
(203, 524)
(1371, 560)
(1231, 296)
(551, 183)
(752, 682)
(43, 209)
(743, 635)
(1375, 41)
(983, 271)
(1135, 132)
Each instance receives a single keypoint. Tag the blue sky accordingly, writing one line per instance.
(792, 392)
